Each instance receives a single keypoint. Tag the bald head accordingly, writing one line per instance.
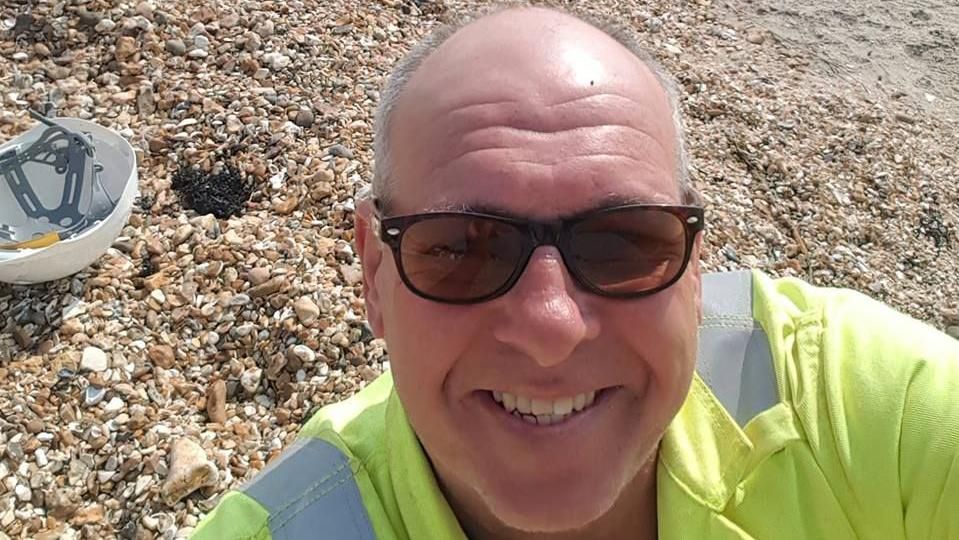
(544, 74)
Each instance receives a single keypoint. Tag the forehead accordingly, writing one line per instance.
(549, 133)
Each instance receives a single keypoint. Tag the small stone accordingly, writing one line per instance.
(304, 354)
(198, 53)
(155, 281)
(201, 42)
(23, 338)
(259, 275)
(146, 101)
(338, 150)
(126, 47)
(189, 470)
(266, 289)
(276, 60)
(23, 492)
(89, 514)
(286, 206)
(250, 380)
(756, 37)
(182, 234)
(93, 395)
(176, 47)
(115, 405)
(162, 356)
(953, 331)
(367, 373)
(304, 117)
(94, 359)
(34, 425)
(265, 28)
(105, 25)
(61, 504)
(216, 402)
(352, 274)
(306, 310)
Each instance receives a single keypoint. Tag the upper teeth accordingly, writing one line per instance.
(543, 411)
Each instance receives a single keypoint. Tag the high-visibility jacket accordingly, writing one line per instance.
(815, 413)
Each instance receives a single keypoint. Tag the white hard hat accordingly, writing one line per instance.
(67, 188)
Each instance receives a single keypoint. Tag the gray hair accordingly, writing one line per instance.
(408, 65)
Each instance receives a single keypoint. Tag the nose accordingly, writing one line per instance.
(541, 317)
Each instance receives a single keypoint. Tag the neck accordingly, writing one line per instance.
(633, 516)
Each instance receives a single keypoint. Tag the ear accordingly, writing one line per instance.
(370, 249)
(695, 267)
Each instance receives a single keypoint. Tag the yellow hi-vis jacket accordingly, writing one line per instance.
(815, 414)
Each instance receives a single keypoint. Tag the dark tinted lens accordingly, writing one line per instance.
(630, 250)
(460, 258)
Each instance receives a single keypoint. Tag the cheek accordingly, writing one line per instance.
(663, 331)
(425, 340)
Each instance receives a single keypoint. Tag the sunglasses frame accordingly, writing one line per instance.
(536, 234)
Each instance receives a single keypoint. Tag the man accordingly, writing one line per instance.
(530, 255)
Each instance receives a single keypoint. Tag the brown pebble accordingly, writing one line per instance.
(266, 289)
(162, 356)
(216, 402)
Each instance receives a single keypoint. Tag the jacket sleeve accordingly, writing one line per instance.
(929, 447)
(236, 517)
(884, 421)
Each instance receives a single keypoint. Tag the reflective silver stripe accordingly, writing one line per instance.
(734, 358)
(310, 492)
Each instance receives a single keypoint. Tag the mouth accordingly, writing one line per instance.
(548, 412)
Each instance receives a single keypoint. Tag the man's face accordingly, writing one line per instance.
(572, 133)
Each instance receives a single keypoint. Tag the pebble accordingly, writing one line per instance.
(176, 47)
(115, 405)
(216, 401)
(250, 380)
(304, 354)
(259, 275)
(304, 117)
(189, 470)
(953, 331)
(23, 492)
(306, 310)
(94, 359)
(162, 356)
(93, 395)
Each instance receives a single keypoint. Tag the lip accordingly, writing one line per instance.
(522, 428)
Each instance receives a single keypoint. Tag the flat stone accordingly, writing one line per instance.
(953, 331)
(176, 47)
(306, 310)
(266, 289)
(88, 514)
(259, 275)
(189, 470)
(94, 359)
(162, 356)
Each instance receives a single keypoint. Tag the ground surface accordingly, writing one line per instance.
(205, 343)
(905, 50)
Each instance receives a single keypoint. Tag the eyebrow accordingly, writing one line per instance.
(606, 201)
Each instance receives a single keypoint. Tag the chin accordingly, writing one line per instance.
(569, 507)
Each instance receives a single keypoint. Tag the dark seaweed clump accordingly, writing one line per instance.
(223, 194)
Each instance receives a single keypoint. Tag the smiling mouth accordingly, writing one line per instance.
(545, 412)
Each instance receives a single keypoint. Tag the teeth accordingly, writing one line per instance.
(509, 401)
(522, 404)
(543, 412)
(563, 406)
(579, 402)
(541, 406)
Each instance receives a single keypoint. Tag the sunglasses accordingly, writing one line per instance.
(624, 251)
